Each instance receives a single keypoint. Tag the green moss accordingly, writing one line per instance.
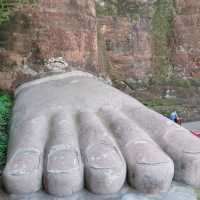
(106, 9)
(4, 12)
(180, 82)
(166, 106)
(197, 191)
(7, 6)
(6, 103)
(194, 82)
(160, 102)
(132, 10)
(183, 83)
(162, 32)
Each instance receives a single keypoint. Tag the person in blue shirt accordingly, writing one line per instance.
(173, 116)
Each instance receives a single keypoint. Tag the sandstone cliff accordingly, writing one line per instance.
(152, 50)
(149, 48)
(49, 36)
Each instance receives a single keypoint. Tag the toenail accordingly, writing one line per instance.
(63, 159)
(24, 162)
(103, 156)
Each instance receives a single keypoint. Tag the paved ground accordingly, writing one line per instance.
(177, 191)
(192, 125)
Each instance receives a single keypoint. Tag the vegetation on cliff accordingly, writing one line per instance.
(162, 30)
(7, 6)
(119, 8)
(6, 102)
(160, 15)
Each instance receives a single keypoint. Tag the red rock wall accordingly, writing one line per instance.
(65, 31)
(187, 38)
(50, 29)
(128, 46)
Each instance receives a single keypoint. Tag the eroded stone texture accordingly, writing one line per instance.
(128, 46)
(59, 29)
(187, 32)
(188, 6)
(85, 131)
(6, 80)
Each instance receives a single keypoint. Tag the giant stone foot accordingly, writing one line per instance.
(72, 129)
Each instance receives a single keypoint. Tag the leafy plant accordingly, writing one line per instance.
(4, 13)
(6, 103)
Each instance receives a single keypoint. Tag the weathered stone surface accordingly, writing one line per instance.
(177, 191)
(6, 80)
(186, 37)
(132, 54)
(86, 128)
(188, 6)
(50, 30)
(128, 46)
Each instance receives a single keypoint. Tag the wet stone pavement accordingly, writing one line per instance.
(177, 192)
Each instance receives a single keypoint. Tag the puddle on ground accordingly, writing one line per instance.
(177, 192)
